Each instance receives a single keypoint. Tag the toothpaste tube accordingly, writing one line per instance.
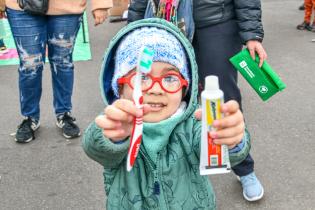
(214, 159)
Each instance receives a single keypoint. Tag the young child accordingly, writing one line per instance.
(166, 172)
(309, 6)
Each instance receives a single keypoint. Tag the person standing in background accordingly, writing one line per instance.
(57, 30)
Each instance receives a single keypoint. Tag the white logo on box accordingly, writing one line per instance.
(244, 66)
(263, 89)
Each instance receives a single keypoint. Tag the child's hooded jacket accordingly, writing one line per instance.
(166, 172)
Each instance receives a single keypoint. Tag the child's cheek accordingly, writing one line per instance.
(126, 92)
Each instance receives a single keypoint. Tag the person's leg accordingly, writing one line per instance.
(29, 33)
(252, 188)
(62, 32)
(308, 10)
(307, 16)
(214, 45)
(313, 24)
(244, 168)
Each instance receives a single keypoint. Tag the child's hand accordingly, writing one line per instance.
(230, 129)
(117, 121)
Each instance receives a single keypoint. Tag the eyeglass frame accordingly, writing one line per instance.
(127, 80)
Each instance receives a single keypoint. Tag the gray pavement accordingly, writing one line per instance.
(52, 173)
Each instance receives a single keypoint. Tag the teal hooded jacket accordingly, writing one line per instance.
(166, 172)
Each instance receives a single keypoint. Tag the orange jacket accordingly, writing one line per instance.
(63, 7)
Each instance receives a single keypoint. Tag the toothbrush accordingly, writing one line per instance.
(143, 67)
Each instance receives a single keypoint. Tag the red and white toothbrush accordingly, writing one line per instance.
(143, 67)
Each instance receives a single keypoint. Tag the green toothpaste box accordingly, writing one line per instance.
(264, 80)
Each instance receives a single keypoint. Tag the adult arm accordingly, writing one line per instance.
(248, 15)
(100, 10)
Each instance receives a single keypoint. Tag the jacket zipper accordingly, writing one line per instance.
(156, 184)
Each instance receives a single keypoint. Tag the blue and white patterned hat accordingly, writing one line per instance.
(165, 46)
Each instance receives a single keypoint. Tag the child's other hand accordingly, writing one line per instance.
(230, 129)
(117, 121)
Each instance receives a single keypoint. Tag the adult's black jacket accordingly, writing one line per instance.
(247, 13)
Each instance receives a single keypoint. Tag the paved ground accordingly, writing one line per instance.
(52, 173)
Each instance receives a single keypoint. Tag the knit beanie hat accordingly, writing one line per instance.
(165, 46)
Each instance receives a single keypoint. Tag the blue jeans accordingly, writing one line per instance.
(31, 35)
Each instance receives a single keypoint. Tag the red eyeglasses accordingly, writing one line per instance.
(170, 82)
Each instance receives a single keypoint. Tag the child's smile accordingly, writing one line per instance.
(155, 107)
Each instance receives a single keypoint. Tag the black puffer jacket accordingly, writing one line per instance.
(209, 12)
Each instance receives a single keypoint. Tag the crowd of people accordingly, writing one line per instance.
(170, 150)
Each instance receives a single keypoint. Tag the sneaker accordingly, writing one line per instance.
(304, 26)
(68, 125)
(25, 131)
(313, 27)
(252, 188)
(302, 7)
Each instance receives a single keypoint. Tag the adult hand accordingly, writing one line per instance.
(99, 16)
(255, 46)
(117, 121)
(230, 129)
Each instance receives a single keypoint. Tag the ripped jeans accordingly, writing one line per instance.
(32, 34)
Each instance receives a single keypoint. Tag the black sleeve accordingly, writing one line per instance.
(248, 15)
(136, 10)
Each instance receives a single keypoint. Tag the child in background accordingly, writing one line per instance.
(166, 172)
(309, 6)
